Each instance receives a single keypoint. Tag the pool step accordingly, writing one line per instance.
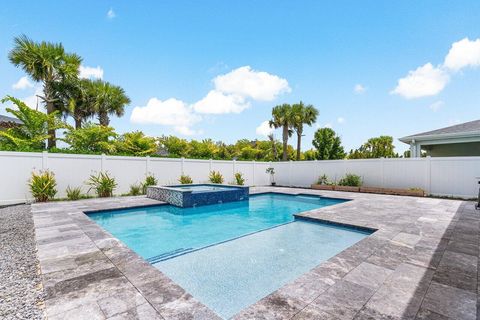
(168, 255)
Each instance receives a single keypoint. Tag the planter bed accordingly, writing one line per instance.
(377, 190)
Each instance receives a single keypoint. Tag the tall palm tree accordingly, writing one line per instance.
(79, 96)
(109, 100)
(302, 114)
(282, 118)
(49, 64)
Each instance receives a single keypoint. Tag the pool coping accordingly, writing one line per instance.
(65, 235)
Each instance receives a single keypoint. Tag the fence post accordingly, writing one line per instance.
(182, 166)
(290, 173)
(315, 170)
(234, 165)
(253, 168)
(44, 160)
(428, 174)
(147, 165)
(382, 171)
(102, 162)
(210, 165)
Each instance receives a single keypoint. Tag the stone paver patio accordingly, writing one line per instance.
(422, 263)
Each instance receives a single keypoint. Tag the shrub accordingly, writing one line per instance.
(102, 183)
(215, 177)
(239, 179)
(351, 180)
(135, 190)
(74, 193)
(150, 180)
(324, 180)
(185, 179)
(43, 186)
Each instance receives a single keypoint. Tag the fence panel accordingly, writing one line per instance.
(454, 176)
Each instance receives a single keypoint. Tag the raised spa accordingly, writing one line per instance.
(192, 195)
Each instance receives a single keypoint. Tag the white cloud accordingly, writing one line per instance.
(341, 120)
(171, 112)
(111, 14)
(90, 72)
(359, 89)
(216, 102)
(33, 101)
(436, 105)
(264, 129)
(22, 83)
(462, 54)
(249, 83)
(328, 125)
(424, 81)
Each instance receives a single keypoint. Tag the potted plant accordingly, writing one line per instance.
(271, 172)
(351, 182)
(323, 183)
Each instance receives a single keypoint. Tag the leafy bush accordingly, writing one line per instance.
(215, 177)
(150, 180)
(74, 193)
(239, 179)
(136, 143)
(102, 183)
(351, 180)
(91, 138)
(43, 186)
(324, 180)
(135, 190)
(185, 179)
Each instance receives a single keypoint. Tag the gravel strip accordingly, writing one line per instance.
(20, 283)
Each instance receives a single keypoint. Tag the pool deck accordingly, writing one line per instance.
(422, 263)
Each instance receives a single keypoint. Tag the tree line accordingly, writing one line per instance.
(65, 94)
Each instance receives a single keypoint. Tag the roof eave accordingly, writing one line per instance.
(440, 136)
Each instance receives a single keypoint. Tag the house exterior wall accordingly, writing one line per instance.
(453, 150)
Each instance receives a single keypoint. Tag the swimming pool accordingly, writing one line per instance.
(267, 247)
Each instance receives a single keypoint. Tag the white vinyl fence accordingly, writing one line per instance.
(439, 176)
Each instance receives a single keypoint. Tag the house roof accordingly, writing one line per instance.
(6, 119)
(471, 128)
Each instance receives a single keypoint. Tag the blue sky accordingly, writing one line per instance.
(214, 69)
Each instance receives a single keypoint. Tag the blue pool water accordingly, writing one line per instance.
(191, 245)
(163, 231)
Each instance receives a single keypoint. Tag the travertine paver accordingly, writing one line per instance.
(422, 263)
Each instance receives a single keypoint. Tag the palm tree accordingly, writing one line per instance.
(271, 137)
(49, 64)
(302, 114)
(282, 118)
(79, 96)
(109, 100)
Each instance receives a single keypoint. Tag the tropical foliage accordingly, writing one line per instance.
(74, 193)
(43, 186)
(185, 179)
(102, 183)
(150, 180)
(302, 114)
(35, 129)
(239, 179)
(282, 117)
(49, 64)
(328, 145)
(92, 138)
(375, 148)
(351, 180)
(215, 177)
(136, 143)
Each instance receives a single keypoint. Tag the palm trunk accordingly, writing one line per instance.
(285, 142)
(78, 122)
(299, 144)
(103, 119)
(52, 142)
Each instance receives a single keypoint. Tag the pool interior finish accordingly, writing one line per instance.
(231, 255)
